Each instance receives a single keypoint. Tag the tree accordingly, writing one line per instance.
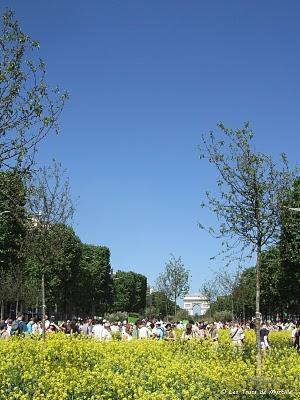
(29, 110)
(251, 190)
(244, 293)
(95, 280)
(210, 290)
(290, 250)
(158, 304)
(12, 217)
(129, 292)
(227, 282)
(12, 233)
(174, 281)
(49, 205)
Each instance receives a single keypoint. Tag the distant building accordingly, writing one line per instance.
(150, 289)
(195, 299)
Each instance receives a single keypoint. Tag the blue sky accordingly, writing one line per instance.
(146, 79)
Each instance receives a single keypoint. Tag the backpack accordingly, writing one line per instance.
(15, 328)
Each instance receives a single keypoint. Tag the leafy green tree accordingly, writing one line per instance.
(12, 233)
(61, 270)
(220, 304)
(209, 289)
(49, 205)
(158, 304)
(244, 293)
(252, 189)
(28, 108)
(272, 276)
(129, 292)
(174, 281)
(12, 218)
(95, 281)
(290, 250)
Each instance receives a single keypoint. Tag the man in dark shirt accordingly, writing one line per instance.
(264, 332)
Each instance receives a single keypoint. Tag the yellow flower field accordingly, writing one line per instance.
(78, 368)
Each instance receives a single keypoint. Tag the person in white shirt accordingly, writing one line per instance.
(143, 332)
(47, 322)
(9, 324)
(106, 333)
(127, 334)
(98, 330)
(294, 336)
(237, 335)
(35, 328)
(115, 327)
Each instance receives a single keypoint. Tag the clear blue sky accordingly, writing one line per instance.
(146, 79)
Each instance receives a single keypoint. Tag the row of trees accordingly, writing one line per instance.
(233, 293)
(38, 246)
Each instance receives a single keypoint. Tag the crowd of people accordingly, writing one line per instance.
(146, 329)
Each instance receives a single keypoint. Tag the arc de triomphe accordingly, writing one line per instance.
(196, 299)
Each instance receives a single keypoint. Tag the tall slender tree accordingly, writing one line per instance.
(49, 205)
(174, 281)
(251, 191)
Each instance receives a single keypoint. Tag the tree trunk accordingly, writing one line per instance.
(17, 305)
(257, 313)
(2, 310)
(44, 305)
(175, 300)
(37, 308)
(166, 302)
(93, 307)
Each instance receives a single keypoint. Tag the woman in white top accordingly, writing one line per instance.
(127, 334)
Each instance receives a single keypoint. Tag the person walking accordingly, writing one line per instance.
(264, 332)
(296, 337)
(237, 336)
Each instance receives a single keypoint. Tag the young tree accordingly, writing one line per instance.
(49, 206)
(174, 281)
(28, 108)
(252, 189)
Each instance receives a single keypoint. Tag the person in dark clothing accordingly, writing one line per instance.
(264, 332)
